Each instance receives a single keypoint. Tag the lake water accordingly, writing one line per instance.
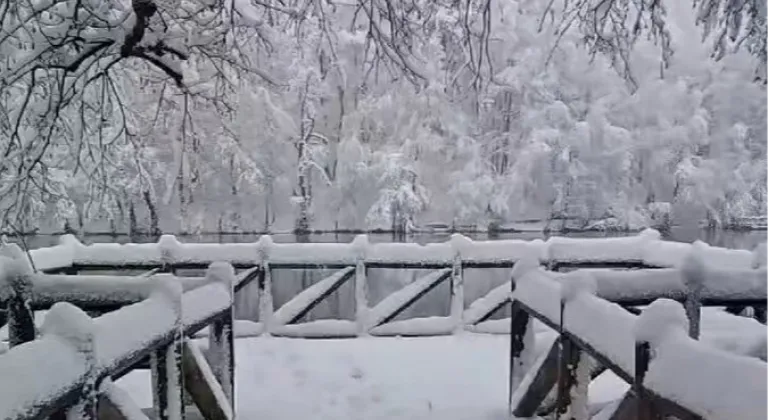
(381, 282)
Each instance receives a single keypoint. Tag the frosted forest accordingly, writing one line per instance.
(192, 116)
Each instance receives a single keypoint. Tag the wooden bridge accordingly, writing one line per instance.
(593, 309)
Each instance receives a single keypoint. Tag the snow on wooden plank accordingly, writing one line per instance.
(501, 251)
(200, 304)
(481, 308)
(121, 401)
(296, 308)
(95, 290)
(633, 285)
(417, 327)
(54, 257)
(605, 326)
(538, 290)
(321, 328)
(581, 250)
(34, 374)
(673, 254)
(433, 253)
(131, 329)
(494, 326)
(711, 383)
(398, 301)
(319, 254)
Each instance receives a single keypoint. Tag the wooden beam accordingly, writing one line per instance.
(200, 382)
(541, 384)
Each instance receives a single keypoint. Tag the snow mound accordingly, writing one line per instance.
(168, 290)
(576, 284)
(523, 266)
(68, 322)
(221, 272)
(759, 256)
(659, 319)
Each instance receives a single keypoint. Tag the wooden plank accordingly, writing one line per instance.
(247, 277)
(21, 319)
(570, 356)
(205, 390)
(298, 307)
(543, 382)
(167, 383)
(221, 351)
(394, 304)
(520, 323)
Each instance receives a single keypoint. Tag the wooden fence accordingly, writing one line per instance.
(69, 367)
(669, 373)
(653, 269)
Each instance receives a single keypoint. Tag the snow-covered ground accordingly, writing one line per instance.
(453, 377)
(462, 377)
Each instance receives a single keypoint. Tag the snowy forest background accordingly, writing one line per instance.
(272, 115)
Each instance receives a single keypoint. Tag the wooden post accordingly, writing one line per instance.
(646, 409)
(166, 366)
(21, 319)
(760, 313)
(457, 293)
(266, 305)
(570, 358)
(692, 306)
(521, 322)
(221, 348)
(360, 247)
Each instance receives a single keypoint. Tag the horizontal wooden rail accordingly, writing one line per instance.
(75, 354)
(592, 327)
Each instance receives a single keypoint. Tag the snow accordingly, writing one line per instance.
(433, 325)
(199, 304)
(98, 288)
(537, 290)
(659, 319)
(394, 301)
(293, 308)
(727, 386)
(482, 306)
(132, 328)
(321, 328)
(205, 369)
(242, 328)
(577, 283)
(122, 401)
(565, 249)
(624, 285)
(33, 373)
(68, 322)
(759, 256)
(605, 326)
(440, 378)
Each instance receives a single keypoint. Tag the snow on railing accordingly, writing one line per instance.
(660, 365)
(644, 250)
(42, 377)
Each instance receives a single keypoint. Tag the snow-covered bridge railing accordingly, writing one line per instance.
(668, 372)
(657, 272)
(68, 371)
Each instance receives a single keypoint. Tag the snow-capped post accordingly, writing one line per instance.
(71, 244)
(266, 306)
(658, 320)
(360, 246)
(170, 248)
(693, 271)
(21, 318)
(76, 328)
(459, 242)
(221, 347)
(165, 362)
(521, 329)
(574, 367)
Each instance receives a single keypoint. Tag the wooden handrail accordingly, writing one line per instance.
(72, 378)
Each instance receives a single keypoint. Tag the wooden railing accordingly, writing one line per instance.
(657, 266)
(668, 372)
(68, 370)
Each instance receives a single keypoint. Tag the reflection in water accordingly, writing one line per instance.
(381, 282)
